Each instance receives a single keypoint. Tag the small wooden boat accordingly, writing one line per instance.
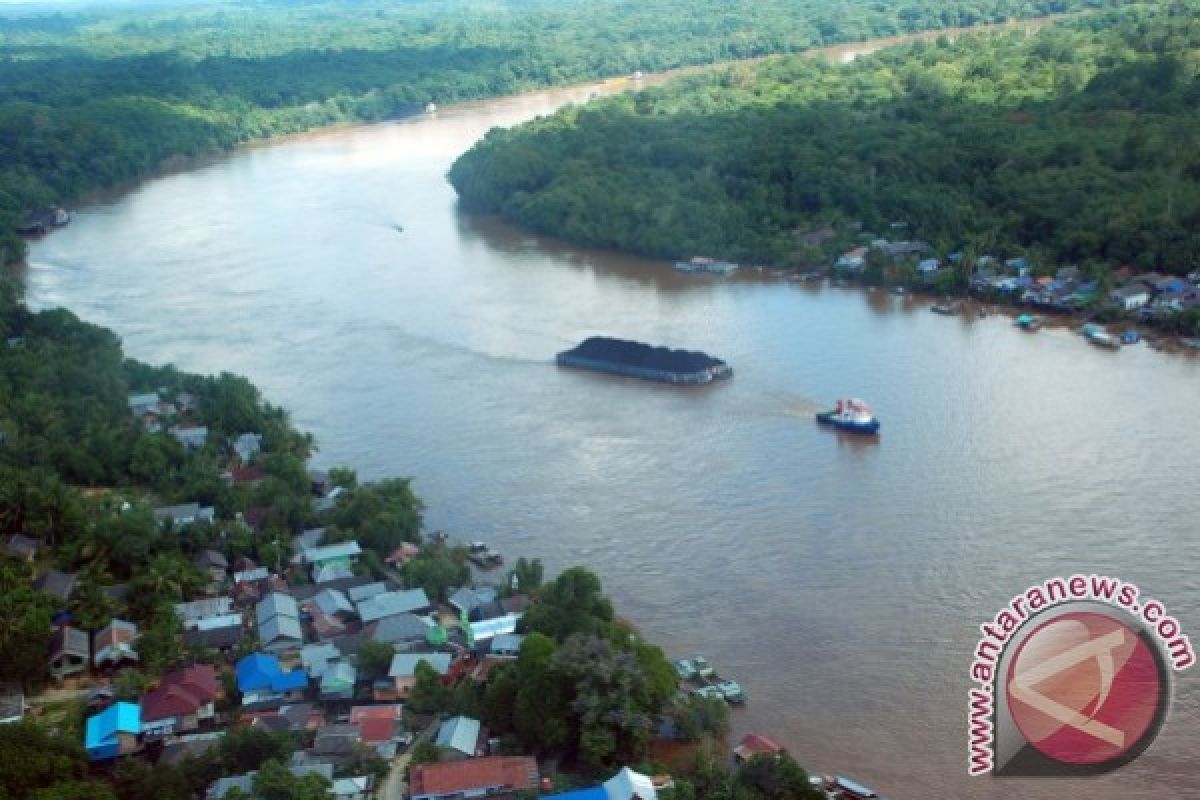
(1028, 322)
(1100, 337)
(946, 309)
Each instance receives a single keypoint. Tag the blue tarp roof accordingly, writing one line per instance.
(262, 671)
(103, 728)
(590, 793)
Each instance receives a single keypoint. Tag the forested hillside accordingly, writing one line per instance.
(94, 98)
(1081, 142)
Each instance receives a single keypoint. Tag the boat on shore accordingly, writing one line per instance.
(704, 264)
(851, 415)
(946, 309)
(482, 556)
(1028, 322)
(649, 363)
(1101, 338)
(843, 788)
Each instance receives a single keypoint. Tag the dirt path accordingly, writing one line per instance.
(394, 786)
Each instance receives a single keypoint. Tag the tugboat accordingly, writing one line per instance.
(850, 415)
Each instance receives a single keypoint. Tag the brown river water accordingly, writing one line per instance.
(841, 581)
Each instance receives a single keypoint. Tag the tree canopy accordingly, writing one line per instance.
(1079, 142)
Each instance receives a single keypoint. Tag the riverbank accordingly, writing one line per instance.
(198, 134)
(431, 349)
(205, 589)
(791, 163)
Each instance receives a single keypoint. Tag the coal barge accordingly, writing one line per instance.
(638, 360)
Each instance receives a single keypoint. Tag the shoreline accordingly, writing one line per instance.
(181, 163)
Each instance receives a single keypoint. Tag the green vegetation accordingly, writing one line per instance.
(65, 424)
(1078, 143)
(95, 98)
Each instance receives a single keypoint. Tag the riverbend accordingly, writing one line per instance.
(842, 580)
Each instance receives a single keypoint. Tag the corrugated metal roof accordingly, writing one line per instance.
(404, 665)
(389, 603)
(459, 733)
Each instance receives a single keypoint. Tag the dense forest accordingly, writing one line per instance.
(1078, 144)
(94, 98)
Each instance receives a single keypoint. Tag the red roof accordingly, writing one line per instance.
(248, 474)
(516, 773)
(182, 692)
(754, 744)
(391, 712)
(376, 730)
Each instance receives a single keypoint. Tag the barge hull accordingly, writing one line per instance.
(698, 378)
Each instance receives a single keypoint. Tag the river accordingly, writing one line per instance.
(841, 581)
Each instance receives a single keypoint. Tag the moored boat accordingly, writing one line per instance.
(1028, 322)
(947, 309)
(850, 415)
(844, 787)
(1101, 338)
(705, 264)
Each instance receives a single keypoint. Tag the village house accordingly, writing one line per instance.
(185, 514)
(222, 633)
(466, 600)
(329, 501)
(500, 607)
(245, 476)
(1130, 297)
(21, 546)
(113, 646)
(400, 630)
(278, 620)
(191, 745)
(403, 554)
(384, 736)
(506, 645)
(755, 744)
(403, 670)
(192, 437)
(148, 409)
(183, 701)
(69, 652)
(461, 737)
(333, 603)
(12, 703)
(358, 594)
(496, 626)
(113, 732)
(262, 681)
(192, 612)
(187, 403)
(247, 446)
(336, 743)
(338, 680)
(59, 585)
(852, 260)
(332, 561)
(474, 778)
(316, 658)
(215, 565)
(318, 482)
(295, 717)
(388, 604)
(381, 728)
